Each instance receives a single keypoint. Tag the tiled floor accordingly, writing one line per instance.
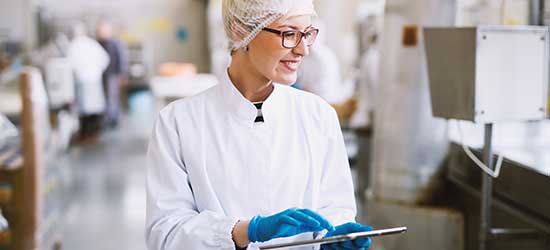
(108, 207)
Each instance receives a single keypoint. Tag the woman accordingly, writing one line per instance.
(222, 165)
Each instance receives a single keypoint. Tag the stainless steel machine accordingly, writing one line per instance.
(488, 75)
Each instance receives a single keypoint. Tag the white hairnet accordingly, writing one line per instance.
(244, 19)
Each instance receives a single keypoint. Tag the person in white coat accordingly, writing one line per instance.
(88, 60)
(251, 161)
(319, 72)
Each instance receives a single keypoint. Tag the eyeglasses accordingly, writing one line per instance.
(292, 38)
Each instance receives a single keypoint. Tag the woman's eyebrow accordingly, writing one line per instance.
(293, 27)
(288, 26)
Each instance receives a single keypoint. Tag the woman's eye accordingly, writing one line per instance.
(290, 35)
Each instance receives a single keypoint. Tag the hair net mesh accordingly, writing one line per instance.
(244, 19)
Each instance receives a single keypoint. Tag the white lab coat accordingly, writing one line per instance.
(209, 165)
(88, 60)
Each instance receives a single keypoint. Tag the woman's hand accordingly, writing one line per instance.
(358, 244)
(287, 223)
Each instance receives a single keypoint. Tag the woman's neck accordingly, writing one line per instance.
(252, 85)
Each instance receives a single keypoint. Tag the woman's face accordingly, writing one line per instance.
(271, 59)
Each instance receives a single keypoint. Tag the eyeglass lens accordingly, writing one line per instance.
(292, 38)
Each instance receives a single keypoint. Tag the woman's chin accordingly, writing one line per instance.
(286, 79)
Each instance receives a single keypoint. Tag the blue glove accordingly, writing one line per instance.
(290, 222)
(361, 244)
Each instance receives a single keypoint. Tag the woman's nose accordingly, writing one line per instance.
(302, 49)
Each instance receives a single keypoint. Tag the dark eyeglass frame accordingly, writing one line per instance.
(301, 33)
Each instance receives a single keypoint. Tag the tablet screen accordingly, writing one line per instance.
(338, 238)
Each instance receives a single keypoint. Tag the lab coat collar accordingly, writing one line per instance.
(243, 109)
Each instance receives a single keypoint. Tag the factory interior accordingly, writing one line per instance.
(425, 117)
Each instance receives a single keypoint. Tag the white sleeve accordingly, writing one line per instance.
(337, 202)
(172, 219)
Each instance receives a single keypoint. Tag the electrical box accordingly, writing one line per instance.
(489, 74)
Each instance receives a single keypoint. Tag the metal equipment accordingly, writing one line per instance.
(486, 75)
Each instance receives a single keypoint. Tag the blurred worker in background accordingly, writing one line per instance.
(320, 74)
(320, 70)
(89, 60)
(367, 82)
(114, 76)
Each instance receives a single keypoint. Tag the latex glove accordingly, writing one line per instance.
(360, 244)
(290, 222)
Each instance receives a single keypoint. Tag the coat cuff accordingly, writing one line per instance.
(223, 233)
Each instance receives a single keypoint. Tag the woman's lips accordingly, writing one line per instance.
(291, 65)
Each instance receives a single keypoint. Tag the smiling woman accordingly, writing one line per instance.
(265, 57)
(251, 160)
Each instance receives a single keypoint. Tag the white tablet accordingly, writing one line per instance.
(338, 238)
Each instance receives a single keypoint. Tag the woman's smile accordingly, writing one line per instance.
(291, 65)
